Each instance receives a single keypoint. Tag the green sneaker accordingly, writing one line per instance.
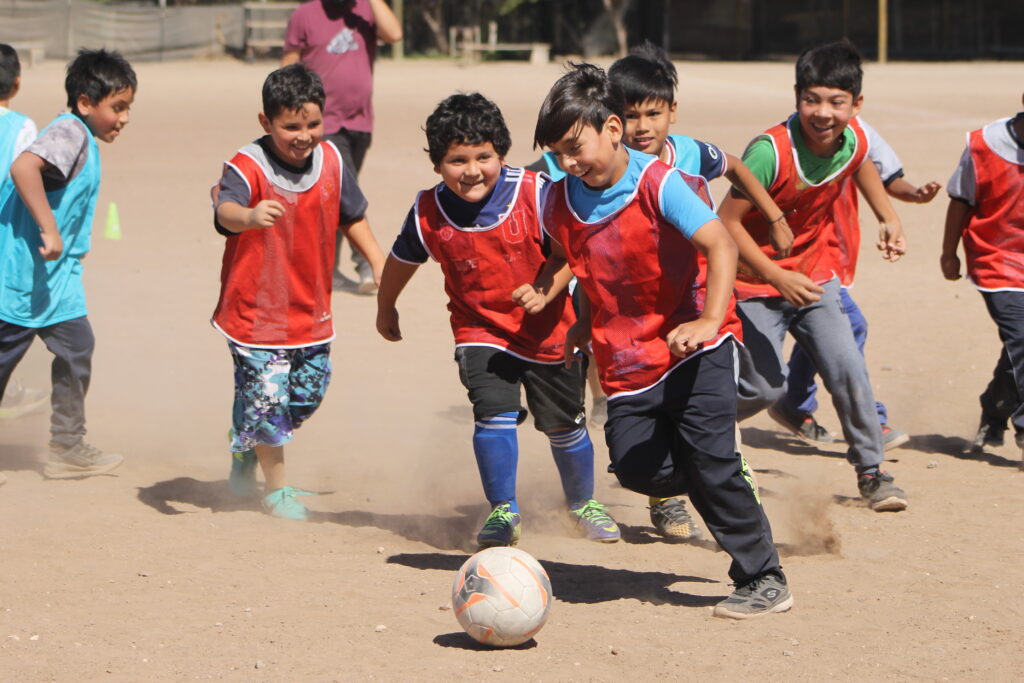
(502, 528)
(242, 480)
(592, 521)
(282, 503)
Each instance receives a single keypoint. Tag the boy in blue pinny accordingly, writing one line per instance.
(45, 229)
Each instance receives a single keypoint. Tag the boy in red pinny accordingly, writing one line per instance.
(481, 224)
(986, 209)
(279, 203)
(631, 228)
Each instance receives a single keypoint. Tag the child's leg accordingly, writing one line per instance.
(272, 463)
(801, 388)
(1000, 397)
(15, 341)
(824, 331)
(71, 343)
(762, 375)
(493, 379)
(859, 327)
(1007, 311)
(308, 381)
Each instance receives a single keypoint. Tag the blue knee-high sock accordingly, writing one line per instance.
(574, 457)
(497, 454)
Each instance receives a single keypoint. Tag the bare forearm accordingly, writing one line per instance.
(902, 190)
(235, 217)
(744, 181)
(731, 213)
(870, 184)
(26, 172)
(956, 219)
(361, 237)
(721, 253)
(290, 57)
(396, 276)
(388, 28)
(553, 278)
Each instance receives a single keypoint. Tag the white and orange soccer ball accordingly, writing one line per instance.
(501, 596)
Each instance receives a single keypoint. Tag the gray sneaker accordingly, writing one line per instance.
(882, 494)
(19, 400)
(766, 594)
(78, 461)
(672, 520)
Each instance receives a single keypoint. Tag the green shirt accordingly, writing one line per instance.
(760, 156)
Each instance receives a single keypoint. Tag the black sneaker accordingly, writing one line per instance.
(672, 520)
(988, 435)
(893, 438)
(766, 594)
(882, 494)
(803, 426)
(78, 461)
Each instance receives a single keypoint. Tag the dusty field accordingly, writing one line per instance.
(156, 575)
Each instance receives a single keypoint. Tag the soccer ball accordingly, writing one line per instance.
(501, 596)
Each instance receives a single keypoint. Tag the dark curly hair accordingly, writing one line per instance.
(290, 87)
(465, 119)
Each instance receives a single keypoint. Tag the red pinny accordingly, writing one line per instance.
(276, 281)
(483, 266)
(821, 249)
(641, 276)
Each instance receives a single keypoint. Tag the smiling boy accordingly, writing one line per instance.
(806, 163)
(279, 203)
(45, 232)
(481, 224)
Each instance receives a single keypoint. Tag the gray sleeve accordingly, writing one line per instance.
(882, 155)
(961, 184)
(233, 188)
(64, 145)
(353, 201)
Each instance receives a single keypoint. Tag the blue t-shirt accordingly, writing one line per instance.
(679, 204)
(489, 211)
(697, 157)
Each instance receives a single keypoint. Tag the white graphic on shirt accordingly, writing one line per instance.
(344, 42)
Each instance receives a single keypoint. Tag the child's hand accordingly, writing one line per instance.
(387, 324)
(53, 245)
(264, 214)
(796, 288)
(926, 193)
(781, 237)
(690, 337)
(529, 298)
(577, 337)
(891, 242)
(950, 264)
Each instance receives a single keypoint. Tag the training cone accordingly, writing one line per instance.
(113, 231)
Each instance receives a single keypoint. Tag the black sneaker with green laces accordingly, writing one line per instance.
(766, 594)
(501, 528)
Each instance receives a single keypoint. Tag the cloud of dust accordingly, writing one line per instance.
(806, 519)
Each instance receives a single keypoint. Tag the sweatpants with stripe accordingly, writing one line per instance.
(680, 436)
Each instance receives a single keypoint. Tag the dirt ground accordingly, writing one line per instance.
(156, 574)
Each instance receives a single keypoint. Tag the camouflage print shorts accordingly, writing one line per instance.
(276, 390)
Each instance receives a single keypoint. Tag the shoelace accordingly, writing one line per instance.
(593, 512)
(674, 510)
(500, 516)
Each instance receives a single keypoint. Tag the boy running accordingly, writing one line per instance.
(986, 211)
(631, 228)
(481, 224)
(45, 232)
(806, 163)
(280, 202)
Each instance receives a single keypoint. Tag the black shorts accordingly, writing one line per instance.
(493, 377)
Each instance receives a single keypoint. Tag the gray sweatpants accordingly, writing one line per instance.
(824, 332)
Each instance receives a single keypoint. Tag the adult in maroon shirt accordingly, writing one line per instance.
(338, 40)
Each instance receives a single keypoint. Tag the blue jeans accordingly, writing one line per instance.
(801, 389)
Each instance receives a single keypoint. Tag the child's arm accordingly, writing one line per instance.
(905, 192)
(713, 241)
(393, 280)
(578, 336)
(779, 233)
(359, 234)
(956, 219)
(237, 218)
(27, 174)
(796, 288)
(891, 241)
(552, 280)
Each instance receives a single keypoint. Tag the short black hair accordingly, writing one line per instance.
(583, 96)
(10, 69)
(645, 74)
(290, 87)
(466, 119)
(832, 65)
(98, 74)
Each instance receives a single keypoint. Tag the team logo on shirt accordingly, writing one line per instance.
(512, 230)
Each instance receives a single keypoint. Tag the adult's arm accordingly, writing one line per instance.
(389, 29)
